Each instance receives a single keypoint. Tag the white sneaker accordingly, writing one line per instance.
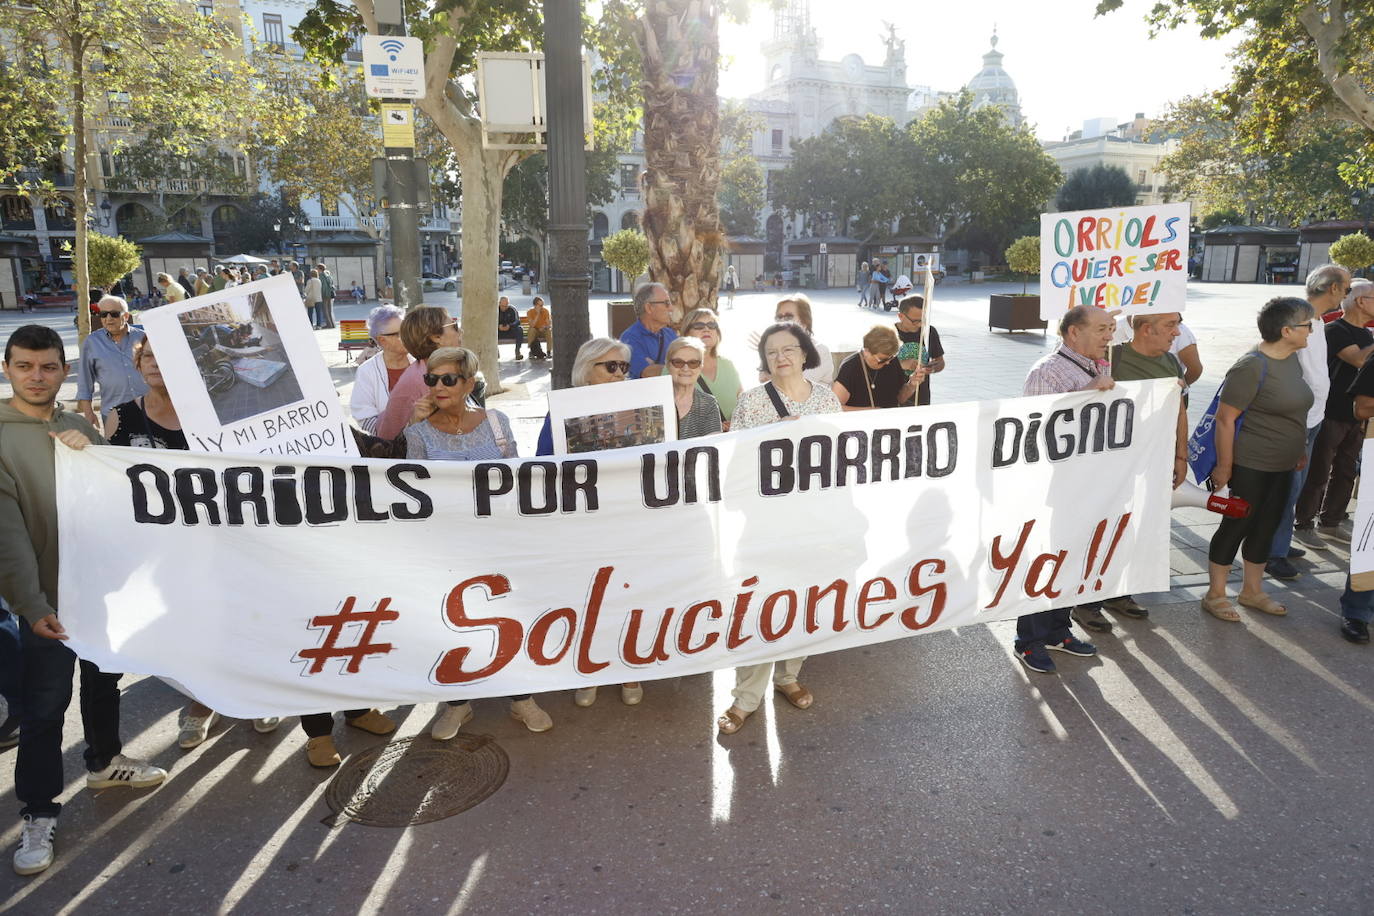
(450, 721)
(126, 771)
(528, 711)
(35, 852)
(194, 729)
(585, 696)
(263, 726)
(631, 694)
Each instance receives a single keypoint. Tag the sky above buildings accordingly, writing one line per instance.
(1068, 66)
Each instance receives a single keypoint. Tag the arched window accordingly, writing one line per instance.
(601, 226)
(133, 221)
(630, 220)
(187, 220)
(59, 215)
(16, 212)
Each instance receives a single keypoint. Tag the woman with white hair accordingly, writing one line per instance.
(598, 361)
(378, 375)
(698, 414)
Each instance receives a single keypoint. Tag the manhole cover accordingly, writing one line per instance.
(417, 780)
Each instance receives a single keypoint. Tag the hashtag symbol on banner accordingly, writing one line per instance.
(355, 654)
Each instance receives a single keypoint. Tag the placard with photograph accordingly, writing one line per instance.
(594, 418)
(245, 372)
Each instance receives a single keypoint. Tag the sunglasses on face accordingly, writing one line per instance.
(883, 360)
(614, 365)
(390, 334)
(703, 326)
(448, 379)
(685, 363)
(110, 314)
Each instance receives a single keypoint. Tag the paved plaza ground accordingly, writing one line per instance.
(1193, 766)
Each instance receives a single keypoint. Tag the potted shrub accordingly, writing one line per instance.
(1019, 311)
(1353, 252)
(628, 252)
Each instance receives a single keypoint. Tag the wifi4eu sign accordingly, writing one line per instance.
(393, 67)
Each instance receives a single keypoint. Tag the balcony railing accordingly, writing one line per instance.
(346, 223)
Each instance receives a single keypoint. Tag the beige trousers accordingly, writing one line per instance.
(752, 680)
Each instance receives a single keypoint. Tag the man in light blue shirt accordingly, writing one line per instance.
(107, 360)
(648, 338)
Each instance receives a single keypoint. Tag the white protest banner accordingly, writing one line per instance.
(597, 417)
(245, 373)
(271, 587)
(1362, 536)
(1130, 258)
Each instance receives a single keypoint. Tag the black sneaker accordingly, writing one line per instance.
(1073, 646)
(1280, 568)
(1036, 659)
(1295, 553)
(1354, 630)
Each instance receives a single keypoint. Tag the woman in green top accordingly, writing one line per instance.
(1258, 461)
(722, 380)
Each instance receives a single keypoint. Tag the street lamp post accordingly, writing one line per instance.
(569, 279)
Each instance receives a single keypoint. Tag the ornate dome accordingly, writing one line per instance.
(993, 86)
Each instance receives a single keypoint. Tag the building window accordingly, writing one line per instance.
(601, 226)
(206, 8)
(272, 31)
(629, 176)
(1141, 179)
(16, 212)
(106, 164)
(777, 142)
(355, 50)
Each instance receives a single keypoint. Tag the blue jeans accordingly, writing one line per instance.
(11, 664)
(1357, 605)
(1283, 538)
(47, 692)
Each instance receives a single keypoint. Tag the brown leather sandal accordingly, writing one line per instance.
(732, 720)
(796, 694)
(1262, 603)
(1221, 608)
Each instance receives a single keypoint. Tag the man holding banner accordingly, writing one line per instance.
(1086, 332)
(36, 364)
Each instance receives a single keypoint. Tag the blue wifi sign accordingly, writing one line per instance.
(393, 67)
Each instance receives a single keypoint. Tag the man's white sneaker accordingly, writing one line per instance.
(265, 726)
(450, 721)
(126, 771)
(35, 850)
(194, 729)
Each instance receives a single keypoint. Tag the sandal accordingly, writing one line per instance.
(732, 720)
(1221, 608)
(1262, 603)
(796, 694)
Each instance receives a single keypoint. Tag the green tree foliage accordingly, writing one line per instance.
(1299, 58)
(110, 257)
(1218, 169)
(854, 178)
(254, 229)
(741, 196)
(1215, 219)
(1023, 257)
(976, 177)
(1354, 251)
(1095, 188)
(627, 251)
(135, 63)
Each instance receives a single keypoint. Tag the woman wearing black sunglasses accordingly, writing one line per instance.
(447, 426)
(720, 375)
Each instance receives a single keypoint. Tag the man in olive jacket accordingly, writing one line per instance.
(36, 364)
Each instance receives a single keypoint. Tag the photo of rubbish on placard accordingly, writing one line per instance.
(622, 428)
(240, 356)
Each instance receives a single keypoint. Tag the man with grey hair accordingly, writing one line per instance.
(1085, 331)
(648, 338)
(1332, 469)
(1327, 286)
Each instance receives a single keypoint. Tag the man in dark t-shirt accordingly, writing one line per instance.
(910, 315)
(1331, 472)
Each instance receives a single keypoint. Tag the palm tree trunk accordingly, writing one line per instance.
(679, 41)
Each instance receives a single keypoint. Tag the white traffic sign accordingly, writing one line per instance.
(393, 67)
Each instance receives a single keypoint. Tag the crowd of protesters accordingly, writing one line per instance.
(422, 397)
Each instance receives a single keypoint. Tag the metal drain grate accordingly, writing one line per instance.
(417, 780)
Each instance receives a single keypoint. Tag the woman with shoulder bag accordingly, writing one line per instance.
(1258, 460)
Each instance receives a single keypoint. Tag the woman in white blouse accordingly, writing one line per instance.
(378, 375)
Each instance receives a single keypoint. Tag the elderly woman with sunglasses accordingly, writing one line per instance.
(698, 414)
(873, 378)
(378, 375)
(107, 362)
(720, 375)
(786, 351)
(598, 361)
(448, 427)
(424, 329)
